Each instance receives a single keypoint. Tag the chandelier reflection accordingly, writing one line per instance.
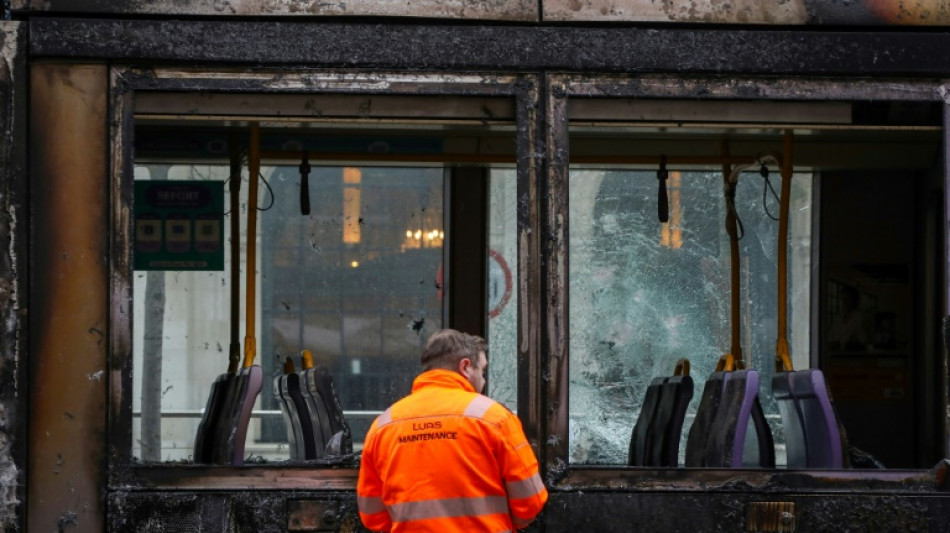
(423, 239)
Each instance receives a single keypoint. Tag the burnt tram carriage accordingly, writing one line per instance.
(707, 244)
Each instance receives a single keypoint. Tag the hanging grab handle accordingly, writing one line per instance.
(305, 186)
(783, 361)
(662, 199)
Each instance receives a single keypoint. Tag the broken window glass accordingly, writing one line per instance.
(644, 294)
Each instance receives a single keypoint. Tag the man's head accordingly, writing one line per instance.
(453, 350)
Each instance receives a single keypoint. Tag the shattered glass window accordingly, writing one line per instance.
(644, 294)
(502, 296)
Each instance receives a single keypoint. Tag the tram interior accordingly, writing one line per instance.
(408, 193)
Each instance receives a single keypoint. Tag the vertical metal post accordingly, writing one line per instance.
(530, 170)
(69, 315)
(554, 271)
(945, 280)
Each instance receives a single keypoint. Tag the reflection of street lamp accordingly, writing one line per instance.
(352, 178)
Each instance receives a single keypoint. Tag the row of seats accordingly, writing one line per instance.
(313, 416)
(728, 407)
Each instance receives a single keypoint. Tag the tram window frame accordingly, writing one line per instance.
(174, 88)
(568, 88)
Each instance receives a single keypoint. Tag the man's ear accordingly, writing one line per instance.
(464, 364)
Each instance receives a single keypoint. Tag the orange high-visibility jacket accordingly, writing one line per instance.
(447, 459)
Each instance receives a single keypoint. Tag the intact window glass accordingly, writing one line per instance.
(645, 295)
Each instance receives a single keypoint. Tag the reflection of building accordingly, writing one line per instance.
(343, 284)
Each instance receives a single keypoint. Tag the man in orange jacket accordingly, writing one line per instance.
(445, 458)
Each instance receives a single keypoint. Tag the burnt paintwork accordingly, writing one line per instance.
(687, 50)
(69, 322)
(261, 498)
(13, 269)
(785, 12)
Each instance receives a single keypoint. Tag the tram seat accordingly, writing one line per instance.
(702, 423)
(637, 453)
(719, 437)
(656, 435)
(814, 438)
(293, 407)
(336, 442)
(663, 440)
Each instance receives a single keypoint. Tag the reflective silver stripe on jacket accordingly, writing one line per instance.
(384, 418)
(478, 406)
(525, 488)
(370, 504)
(520, 523)
(448, 508)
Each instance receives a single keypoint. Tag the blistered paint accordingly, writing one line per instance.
(776, 12)
(523, 10)
(711, 11)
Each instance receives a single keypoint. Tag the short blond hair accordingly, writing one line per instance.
(446, 347)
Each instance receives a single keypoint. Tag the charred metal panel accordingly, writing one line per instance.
(235, 512)
(554, 271)
(779, 481)
(519, 94)
(856, 12)
(336, 106)
(798, 88)
(69, 296)
(13, 279)
(738, 12)
(501, 47)
(525, 10)
(199, 477)
(726, 512)
(120, 312)
(531, 174)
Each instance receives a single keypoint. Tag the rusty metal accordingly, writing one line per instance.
(769, 517)
(69, 319)
(310, 515)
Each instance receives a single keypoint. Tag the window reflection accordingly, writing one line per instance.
(340, 282)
